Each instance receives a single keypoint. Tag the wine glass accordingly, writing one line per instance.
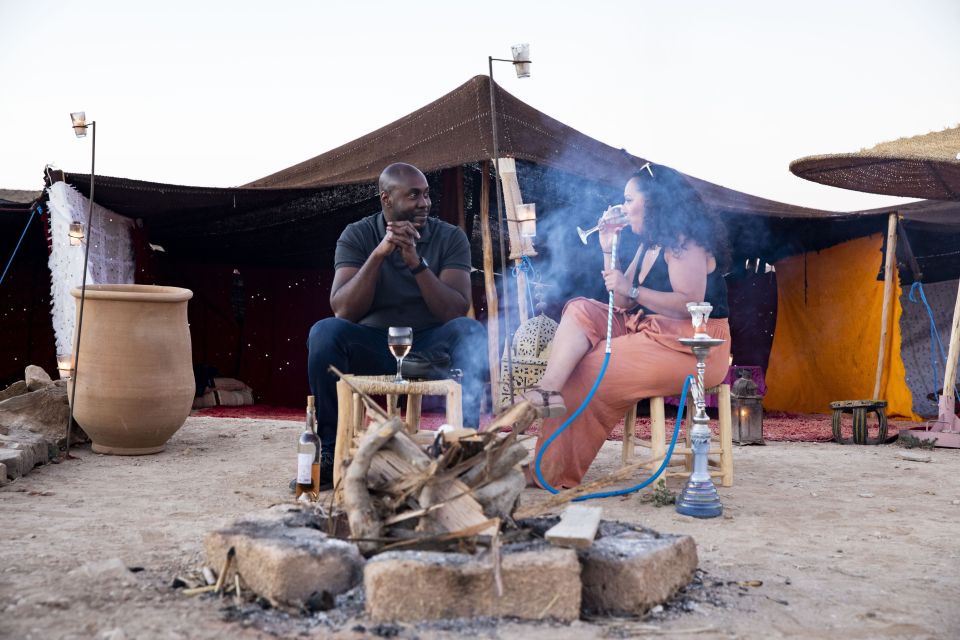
(399, 341)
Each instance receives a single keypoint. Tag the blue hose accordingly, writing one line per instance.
(17, 248)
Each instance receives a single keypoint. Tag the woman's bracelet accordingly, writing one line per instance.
(606, 252)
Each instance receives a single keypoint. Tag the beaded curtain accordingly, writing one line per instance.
(111, 255)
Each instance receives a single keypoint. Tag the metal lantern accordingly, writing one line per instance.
(747, 410)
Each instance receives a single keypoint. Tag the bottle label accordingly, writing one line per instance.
(304, 467)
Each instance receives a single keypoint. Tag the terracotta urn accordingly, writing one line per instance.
(134, 374)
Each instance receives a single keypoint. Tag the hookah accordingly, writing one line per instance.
(615, 221)
(699, 495)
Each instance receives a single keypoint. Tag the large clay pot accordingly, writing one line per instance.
(134, 375)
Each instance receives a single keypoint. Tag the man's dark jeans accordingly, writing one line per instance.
(361, 350)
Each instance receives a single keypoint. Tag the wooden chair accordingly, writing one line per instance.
(352, 415)
(720, 460)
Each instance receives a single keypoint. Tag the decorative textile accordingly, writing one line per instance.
(915, 328)
(111, 256)
(828, 331)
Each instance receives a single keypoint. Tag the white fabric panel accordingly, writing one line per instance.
(111, 255)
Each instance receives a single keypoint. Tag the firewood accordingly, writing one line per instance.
(577, 527)
(499, 497)
(361, 514)
(496, 466)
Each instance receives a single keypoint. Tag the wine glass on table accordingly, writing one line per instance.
(399, 341)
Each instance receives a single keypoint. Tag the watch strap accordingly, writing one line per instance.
(420, 268)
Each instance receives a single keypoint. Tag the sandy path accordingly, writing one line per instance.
(833, 564)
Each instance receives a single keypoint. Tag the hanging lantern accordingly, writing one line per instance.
(65, 365)
(76, 234)
(747, 409)
(527, 220)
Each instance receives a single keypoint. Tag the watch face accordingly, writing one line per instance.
(423, 261)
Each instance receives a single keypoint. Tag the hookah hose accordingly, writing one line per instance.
(586, 401)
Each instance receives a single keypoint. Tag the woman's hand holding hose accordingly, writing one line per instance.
(617, 282)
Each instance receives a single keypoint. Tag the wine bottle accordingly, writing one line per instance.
(308, 453)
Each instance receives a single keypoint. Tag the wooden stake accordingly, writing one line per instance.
(218, 587)
(490, 286)
(888, 282)
(950, 371)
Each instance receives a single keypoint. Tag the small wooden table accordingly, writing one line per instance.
(352, 415)
(859, 409)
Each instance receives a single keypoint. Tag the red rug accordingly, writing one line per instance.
(777, 427)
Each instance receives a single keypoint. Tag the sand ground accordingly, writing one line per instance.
(848, 542)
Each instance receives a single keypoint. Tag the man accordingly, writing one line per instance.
(396, 268)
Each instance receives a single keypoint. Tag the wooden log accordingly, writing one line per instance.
(888, 282)
(490, 285)
(577, 527)
(517, 417)
(364, 521)
(344, 441)
(496, 466)
(519, 246)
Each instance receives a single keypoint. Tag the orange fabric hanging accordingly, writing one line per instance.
(829, 305)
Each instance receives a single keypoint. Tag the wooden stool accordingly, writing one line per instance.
(859, 409)
(352, 415)
(720, 465)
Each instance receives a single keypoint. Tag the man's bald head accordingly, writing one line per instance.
(405, 194)
(399, 174)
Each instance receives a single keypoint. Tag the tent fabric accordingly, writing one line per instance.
(916, 341)
(455, 130)
(924, 166)
(828, 329)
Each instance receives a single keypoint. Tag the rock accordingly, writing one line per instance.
(283, 557)
(13, 461)
(499, 498)
(33, 446)
(539, 582)
(913, 457)
(100, 571)
(36, 378)
(16, 389)
(629, 572)
(45, 411)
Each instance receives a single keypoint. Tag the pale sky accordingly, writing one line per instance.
(218, 94)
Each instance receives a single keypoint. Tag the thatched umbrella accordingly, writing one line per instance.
(925, 166)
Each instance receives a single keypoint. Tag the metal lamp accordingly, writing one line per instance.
(76, 234)
(527, 220)
(79, 120)
(747, 407)
(65, 365)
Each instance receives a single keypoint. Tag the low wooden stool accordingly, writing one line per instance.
(352, 415)
(859, 409)
(721, 465)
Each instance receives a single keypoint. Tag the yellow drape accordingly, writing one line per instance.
(829, 305)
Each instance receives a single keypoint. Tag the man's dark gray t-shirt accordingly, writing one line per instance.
(397, 300)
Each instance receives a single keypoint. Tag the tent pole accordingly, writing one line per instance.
(947, 402)
(888, 281)
(490, 286)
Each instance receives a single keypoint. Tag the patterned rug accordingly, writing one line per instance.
(777, 426)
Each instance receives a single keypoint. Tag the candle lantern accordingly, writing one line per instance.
(75, 234)
(747, 407)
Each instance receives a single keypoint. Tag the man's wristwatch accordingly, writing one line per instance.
(420, 267)
(634, 293)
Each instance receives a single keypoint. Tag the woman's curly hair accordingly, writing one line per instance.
(675, 214)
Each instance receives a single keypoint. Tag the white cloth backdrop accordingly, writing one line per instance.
(111, 255)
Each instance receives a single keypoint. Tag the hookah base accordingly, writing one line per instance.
(699, 500)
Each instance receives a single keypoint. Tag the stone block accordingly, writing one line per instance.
(282, 557)
(34, 447)
(630, 571)
(18, 388)
(13, 460)
(36, 378)
(45, 411)
(539, 582)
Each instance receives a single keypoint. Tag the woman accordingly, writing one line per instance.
(681, 259)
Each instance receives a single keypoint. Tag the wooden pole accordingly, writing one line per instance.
(888, 282)
(519, 246)
(950, 371)
(490, 285)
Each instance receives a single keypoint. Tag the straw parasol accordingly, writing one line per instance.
(924, 166)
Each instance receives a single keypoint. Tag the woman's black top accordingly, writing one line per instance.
(658, 279)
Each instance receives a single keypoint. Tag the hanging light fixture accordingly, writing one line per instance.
(79, 120)
(521, 59)
(527, 220)
(65, 365)
(76, 234)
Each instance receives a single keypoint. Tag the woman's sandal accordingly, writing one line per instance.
(540, 399)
